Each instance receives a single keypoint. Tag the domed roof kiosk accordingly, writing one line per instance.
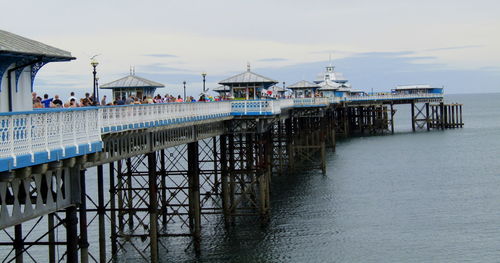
(20, 60)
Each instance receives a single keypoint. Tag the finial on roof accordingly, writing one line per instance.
(330, 59)
(133, 70)
(248, 66)
(130, 70)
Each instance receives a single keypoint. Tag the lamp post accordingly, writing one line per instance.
(97, 102)
(94, 64)
(204, 74)
(184, 82)
(284, 90)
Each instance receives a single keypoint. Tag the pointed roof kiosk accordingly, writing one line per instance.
(20, 60)
(303, 89)
(247, 85)
(223, 91)
(132, 85)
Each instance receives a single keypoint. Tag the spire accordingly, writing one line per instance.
(248, 66)
(131, 71)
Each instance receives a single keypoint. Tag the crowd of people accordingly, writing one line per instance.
(89, 100)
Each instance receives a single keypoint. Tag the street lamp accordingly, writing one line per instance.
(94, 64)
(97, 102)
(284, 90)
(204, 74)
(184, 82)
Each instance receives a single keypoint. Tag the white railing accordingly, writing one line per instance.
(26, 133)
(255, 107)
(395, 96)
(310, 101)
(285, 103)
(145, 115)
(334, 100)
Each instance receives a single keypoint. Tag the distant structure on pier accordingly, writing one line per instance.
(223, 91)
(20, 60)
(334, 84)
(304, 89)
(416, 89)
(247, 85)
(132, 85)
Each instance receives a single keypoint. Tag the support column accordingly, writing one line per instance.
(194, 194)
(119, 189)
(153, 206)
(112, 193)
(71, 235)
(216, 173)
(52, 239)
(226, 204)
(18, 243)
(413, 116)
(289, 142)
(130, 203)
(442, 116)
(84, 244)
(232, 181)
(427, 119)
(163, 174)
(392, 118)
(461, 122)
(101, 213)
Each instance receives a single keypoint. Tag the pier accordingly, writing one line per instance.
(170, 168)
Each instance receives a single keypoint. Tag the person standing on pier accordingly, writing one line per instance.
(46, 101)
(57, 103)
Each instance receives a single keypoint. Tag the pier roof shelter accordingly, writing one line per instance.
(278, 91)
(303, 89)
(224, 91)
(247, 85)
(132, 85)
(416, 89)
(20, 60)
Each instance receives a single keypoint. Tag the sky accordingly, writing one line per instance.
(375, 44)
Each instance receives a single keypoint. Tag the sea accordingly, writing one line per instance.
(408, 197)
(425, 196)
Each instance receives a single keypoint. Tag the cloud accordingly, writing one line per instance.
(272, 59)
(384, 54)
(454, 48)
(160, 55)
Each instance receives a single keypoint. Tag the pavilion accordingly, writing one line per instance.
(224, 91)
(132, 85)
(303, 89)
(20, 60)
(247, 85)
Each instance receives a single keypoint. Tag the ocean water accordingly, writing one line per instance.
(408, 197)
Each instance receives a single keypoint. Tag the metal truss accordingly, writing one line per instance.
(40, 193)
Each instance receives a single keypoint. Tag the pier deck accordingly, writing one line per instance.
(172, 162)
